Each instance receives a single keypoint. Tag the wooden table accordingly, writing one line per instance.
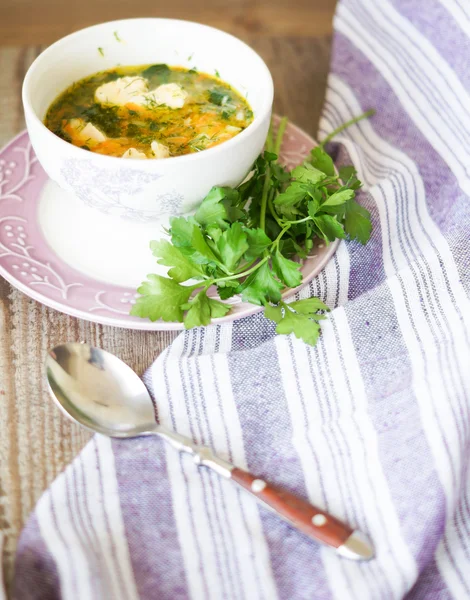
(36, 442)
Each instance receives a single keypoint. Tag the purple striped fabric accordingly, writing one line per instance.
(373, 423)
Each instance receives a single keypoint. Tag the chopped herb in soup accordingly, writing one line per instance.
(151, 111)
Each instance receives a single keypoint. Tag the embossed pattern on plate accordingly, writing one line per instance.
(28, 263)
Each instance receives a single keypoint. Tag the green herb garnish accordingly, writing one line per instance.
(116, 36)
(157, 73)
(219, 97)
(63, 135)
(243, 241)
(101, 51)
(106, 118)
(133, 130)
(155, 125)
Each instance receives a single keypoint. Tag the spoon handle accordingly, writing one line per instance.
(299, 513)
(306, 517)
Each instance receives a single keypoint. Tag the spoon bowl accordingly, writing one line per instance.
(99, 391)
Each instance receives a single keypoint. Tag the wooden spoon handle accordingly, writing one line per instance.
(302, 515)
(312, 521)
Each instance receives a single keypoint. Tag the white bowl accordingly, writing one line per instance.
(136, 189)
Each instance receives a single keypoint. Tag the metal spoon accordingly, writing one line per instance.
(99, 391)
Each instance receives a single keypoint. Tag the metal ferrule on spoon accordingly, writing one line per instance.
(97, 390)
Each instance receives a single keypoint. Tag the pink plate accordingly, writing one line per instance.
(28, 262)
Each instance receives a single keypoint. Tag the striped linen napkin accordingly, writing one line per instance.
(372, 424)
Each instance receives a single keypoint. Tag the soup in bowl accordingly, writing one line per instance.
(140, 118)
(150, 111)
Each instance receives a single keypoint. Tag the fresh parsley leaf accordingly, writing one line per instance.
(182, 268)
(286, 270)
(322, 161)
(202, 309)
(187, 235)
(258, 242)
(316, 193)
(218, 309)
(300, 325)
(279, 173)
(357, 223)
(227, 289)
(211, 210)
(219, 207)
(329, 227)
(338, 198)
(269, 156)
(272, 228)
(273, 312)
(354, 183)
(261, 287)
(202, 253)
(312, 207)
(290, 247)
(233, 211)
(161, 298)
(348, 175)
(308, 305)
(307, 174)
(232, 245)
(199, 312)
(214, 232)
(181, 230)
(298, 317)
(346, 172)
(287, 201)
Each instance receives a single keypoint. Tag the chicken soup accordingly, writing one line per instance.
(148, 112)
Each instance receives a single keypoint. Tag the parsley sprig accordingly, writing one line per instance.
(250, 240)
